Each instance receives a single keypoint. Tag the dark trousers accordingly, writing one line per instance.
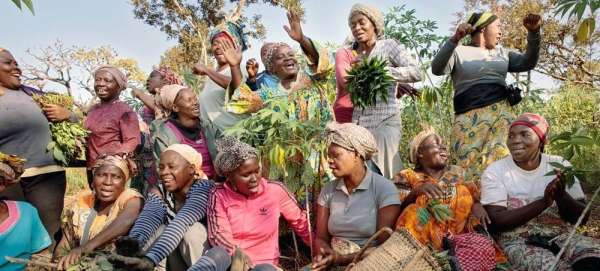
(46, 192)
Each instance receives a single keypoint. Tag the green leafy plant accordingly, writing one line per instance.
(27, 3)
(576, 8)
(441, 212)
(368, 82)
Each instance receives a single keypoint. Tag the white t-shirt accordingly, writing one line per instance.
(212, 104)
(503, 179)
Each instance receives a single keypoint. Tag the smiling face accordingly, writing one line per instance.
(10, 73)
(109, 182)
(186, 104)
(524, 144)
(342, 162)
(432, 153)
(176, 173)
(154, 81)
(492, 34)
(106, 86)
(246, 177)
(218, 51)
(285, 64)
(362, 28)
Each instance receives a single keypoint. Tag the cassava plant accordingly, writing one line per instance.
(368, 82)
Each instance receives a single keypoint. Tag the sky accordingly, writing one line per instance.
(96, 23)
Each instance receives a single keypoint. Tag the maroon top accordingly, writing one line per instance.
(115, 129)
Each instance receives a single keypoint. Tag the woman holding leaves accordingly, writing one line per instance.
(478, 71)
(532, 210)
(24, 131)
(382, 119)
(300, 89)
(437, 198)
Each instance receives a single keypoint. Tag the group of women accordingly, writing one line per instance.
(213, 210)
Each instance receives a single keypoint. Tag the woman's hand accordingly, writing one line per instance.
(71, 258)
(232, 54)
(199, 69)
(127, 246)
(295, 29)
(56, 113)
(430, 189)
(481, 214)
(561, 184)
(532, 22)
(325, 260)
(406, 89)
(462, 31)
(252, 69)
(549, 192)
(131, 263)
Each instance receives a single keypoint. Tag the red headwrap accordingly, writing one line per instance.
(535, 122)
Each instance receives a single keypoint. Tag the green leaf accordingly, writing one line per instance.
(18, 3)
(29, 5)
(558, 165)
(550, 173)
(50, 146)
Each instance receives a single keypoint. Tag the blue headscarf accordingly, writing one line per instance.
(235, 31)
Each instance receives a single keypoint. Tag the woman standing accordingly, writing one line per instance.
(113, 125)
(384, 119)
(478, 72)
(25, 133)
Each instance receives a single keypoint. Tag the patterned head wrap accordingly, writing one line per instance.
(263, 51)
(351, 137)
(480, 20)
(271, 53)
(117, 74)
(416, 142)
(535, 122)
(11, 168)
(232, 153)
(165, 99)
(370, 11)
(170, 76)
(235, 31)
(192, 156)
(115, 160)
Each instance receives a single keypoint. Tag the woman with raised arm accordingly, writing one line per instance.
(478, 72)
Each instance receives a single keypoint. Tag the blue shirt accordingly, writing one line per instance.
(21, 234)
(263, 80)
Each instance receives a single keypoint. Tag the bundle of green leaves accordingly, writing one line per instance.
(68, 139)
(368, 82)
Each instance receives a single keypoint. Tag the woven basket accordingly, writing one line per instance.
(400, 252)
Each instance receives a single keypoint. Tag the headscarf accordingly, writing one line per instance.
(235, 31)
(480, 20)
(263, 51)
(117, 74)
(232, 153)
(115, 160)
(2, 49)
(270, 54)
(535, 122)
(165, 99)
(192, 156)
(11, 168)
(351, 137)
(416, 142)
(170, 76)
(370, 11)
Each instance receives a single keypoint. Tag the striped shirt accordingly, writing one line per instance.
(155, 213)
(402, 68)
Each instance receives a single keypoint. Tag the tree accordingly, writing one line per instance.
(563, 57)
(73, 67)
(27, 3)
(190, 22)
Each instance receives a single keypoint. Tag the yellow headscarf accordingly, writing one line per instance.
(480, 20)
(416, 142)
(192, 156)
(115, 160)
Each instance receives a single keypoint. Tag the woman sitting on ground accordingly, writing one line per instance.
(533, 213)
(21, 231)
(434, 182)
(357, 204)
(182, 125)
(97, 219)
(244, 212)
(171, 230)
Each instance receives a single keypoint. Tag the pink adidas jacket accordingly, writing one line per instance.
(253, 223)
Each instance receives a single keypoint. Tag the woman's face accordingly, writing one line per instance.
(285, 63)
(218, 51)
(492, 34)
(109, 182)
(246, 177)
(186, 104)
(523, 143)
(342, 162)
(154, 81)
(175, 172)
(362, 28)
(10, 73)
(106, 86)
(432, 153)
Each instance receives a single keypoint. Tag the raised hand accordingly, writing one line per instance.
(462, 31)
(532, 22)
(252, 67)
(232, 54)
(199, 69)
(295, 29)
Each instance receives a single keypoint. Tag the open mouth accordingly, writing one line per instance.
(444, 155)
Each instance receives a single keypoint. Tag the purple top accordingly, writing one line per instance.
(201, 147)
